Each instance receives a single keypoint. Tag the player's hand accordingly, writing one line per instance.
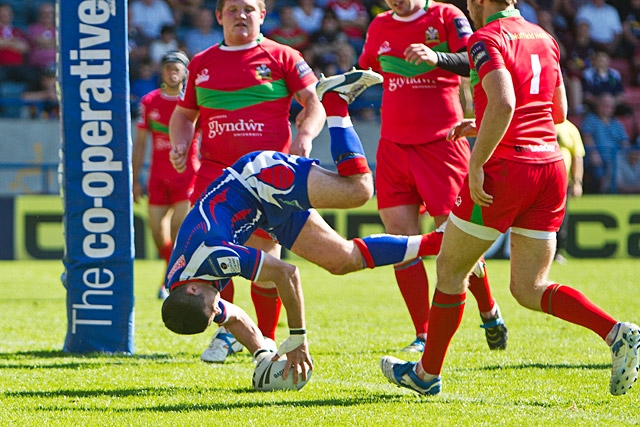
(476, 187)
(138, 192)
(298, 358)
(466, 128)
(417, 53)
(178, 158)
(301, 146)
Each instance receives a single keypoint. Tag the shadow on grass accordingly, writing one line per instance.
(341, 401)
(33, 359)
(545, 366)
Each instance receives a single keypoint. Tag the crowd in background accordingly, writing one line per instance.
(599, 43)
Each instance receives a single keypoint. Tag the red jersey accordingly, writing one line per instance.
(532, 57)
(420, 103)
(244, 96)
(10, 56)
(155, 111)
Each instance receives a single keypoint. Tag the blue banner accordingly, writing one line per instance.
(95, 178)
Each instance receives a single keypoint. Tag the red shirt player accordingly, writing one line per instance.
(517, 179)
(169, 191)
(420, 48)
(240, 93)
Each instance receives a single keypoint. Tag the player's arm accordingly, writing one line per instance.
(182, 127)
(137, 161)
(457, 63)
(501, 102)
(287, 280)
(309, 121)
(560, 105)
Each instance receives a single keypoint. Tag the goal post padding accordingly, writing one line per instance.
(95, 175)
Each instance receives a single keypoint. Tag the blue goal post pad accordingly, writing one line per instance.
(95, 175)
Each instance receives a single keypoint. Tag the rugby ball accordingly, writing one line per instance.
(267, 375)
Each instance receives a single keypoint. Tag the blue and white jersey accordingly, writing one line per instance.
(264, 189)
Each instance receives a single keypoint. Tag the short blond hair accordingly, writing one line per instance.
(220, 5)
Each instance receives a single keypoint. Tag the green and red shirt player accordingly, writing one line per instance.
(243, 96)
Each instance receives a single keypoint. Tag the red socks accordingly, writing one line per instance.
(481, 291)
(268, 306)
(571, 305)
(446, 315)
(431, 243)
(334, 105)
(414, 286)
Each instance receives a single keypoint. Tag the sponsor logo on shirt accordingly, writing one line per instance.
(240, 128)
(229, 265)
(154, 114)
(479, 54)
(543, 148)
(303, 69)
(202, 76)
(384, 48)
(462, 27)
(263, 72)
(396, 83)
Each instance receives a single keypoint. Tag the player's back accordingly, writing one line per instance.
(532, 58)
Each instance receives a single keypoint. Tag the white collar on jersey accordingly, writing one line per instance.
(411, 17)
(242, 47)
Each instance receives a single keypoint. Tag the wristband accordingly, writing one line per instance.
(297, 331)
(294, 341)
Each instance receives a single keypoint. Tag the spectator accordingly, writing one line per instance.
(601, 78)
(628, 171)
(42, 36)
(138, 43)
(308, 15)
(289, 32)
(353, 18)
(149, 16)
(580, 53)
(14, 48)
(321, 52)
(606, 28)
(528, 10)
(185, 12)
(630, 17)
(603, 136)
(42, 98)
(144, 81)
(166, 43)
(271, 19)
(204, 35)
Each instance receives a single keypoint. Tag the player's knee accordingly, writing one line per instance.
(362, 189)
(343, 264)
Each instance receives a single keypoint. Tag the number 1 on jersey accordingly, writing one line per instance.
(537, 69)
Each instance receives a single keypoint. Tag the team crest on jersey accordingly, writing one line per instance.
(154, 114)
(384, 48)
(431, 35)
(263, 73)
(479, 54)
(303, 68)
(202, 76)
(462, 27)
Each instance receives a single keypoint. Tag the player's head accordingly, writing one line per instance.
(189, 309)
(406, 7)
(479, 10)
(174, 69)
(240, 20)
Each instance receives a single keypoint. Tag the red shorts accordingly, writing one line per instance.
(169, 191)
(423, 174)
(525, 196)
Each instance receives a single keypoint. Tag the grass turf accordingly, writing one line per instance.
(552, 373)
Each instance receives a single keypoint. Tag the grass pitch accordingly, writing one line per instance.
(552, 373)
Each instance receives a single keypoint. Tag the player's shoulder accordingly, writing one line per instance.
(151, 96)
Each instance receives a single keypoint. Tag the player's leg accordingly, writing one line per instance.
(159, 224)
(459, 253)
(411, 276)
(264, 295)
(531, 259)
